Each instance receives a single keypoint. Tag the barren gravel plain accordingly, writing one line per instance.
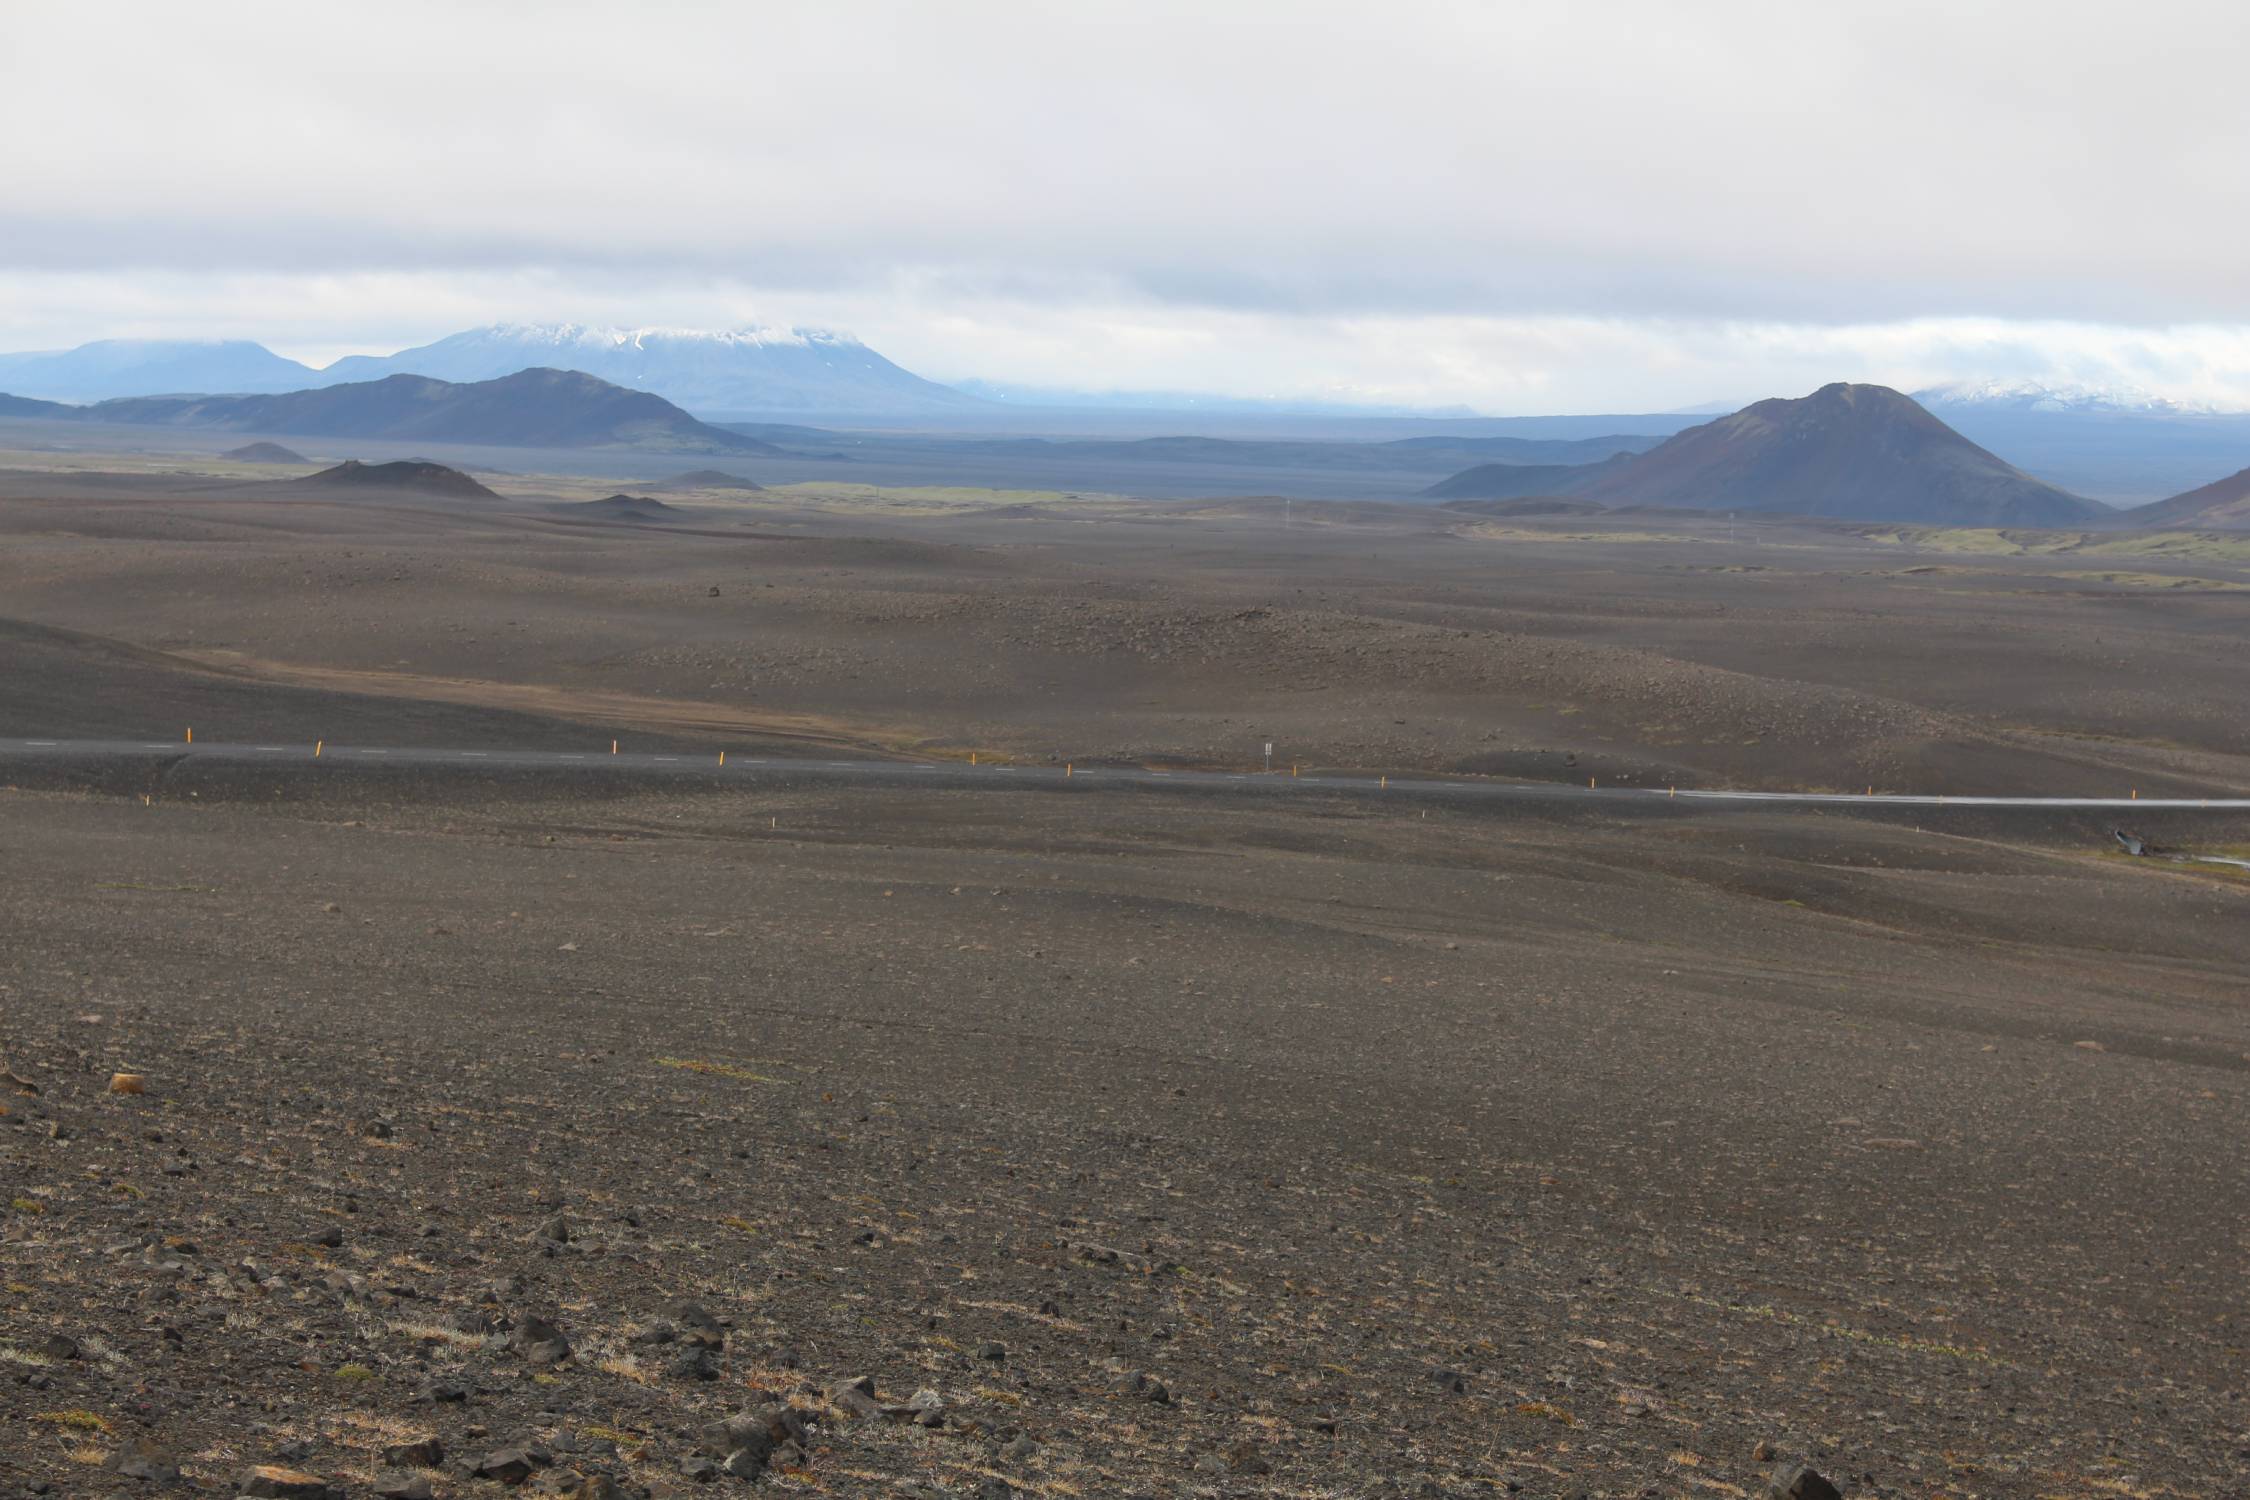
(598, 1137)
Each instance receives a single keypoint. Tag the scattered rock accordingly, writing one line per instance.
(1804, 1483)
(1451, 1381)
(1143, 1385)
(1107, 1255)
(513, 1464)
(695, 1363)
(393, 1485)
(272, 1482)
(540, 1342)
(996, 1352)
(145, 1459)
(422, 1453)
(128, 1083)
(855, 1398)
(697, 1325)
(59, 1346)
(745, 1442)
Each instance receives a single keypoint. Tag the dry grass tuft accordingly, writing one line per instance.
(76, 1420)
(717, 1069)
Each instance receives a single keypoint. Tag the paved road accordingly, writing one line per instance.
(750, 768)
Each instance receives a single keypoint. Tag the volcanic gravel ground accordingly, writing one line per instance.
(1122, 1144)
(1374, 637)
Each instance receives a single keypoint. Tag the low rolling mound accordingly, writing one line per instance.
(1522, 481)
(1849, 452)
(706, 479)
(1845, 452)
(529, 409)
(416, 476)
(2222, 504)
(265, 453)
(624, 508)
(1532, 505)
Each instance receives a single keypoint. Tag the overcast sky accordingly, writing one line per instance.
(1512, 207)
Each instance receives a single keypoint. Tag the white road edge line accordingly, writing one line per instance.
(1496, 790)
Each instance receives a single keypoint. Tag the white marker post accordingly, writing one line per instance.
(1269, 757)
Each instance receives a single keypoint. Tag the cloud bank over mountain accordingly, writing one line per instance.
(1513, 208)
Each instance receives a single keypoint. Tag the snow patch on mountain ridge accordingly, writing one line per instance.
(598, 336)
(2059, 396)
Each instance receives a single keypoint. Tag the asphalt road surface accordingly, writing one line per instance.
(999, 777)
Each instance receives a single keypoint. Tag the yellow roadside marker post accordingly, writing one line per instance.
(613, 747)
(317, 744)
(1066, 770)
(191, 735)
(722, 757)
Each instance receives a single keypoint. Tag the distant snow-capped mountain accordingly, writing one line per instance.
(760, 371)
(748, 371)
(2052, 396)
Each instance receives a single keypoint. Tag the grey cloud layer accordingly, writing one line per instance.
(1820, 163)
